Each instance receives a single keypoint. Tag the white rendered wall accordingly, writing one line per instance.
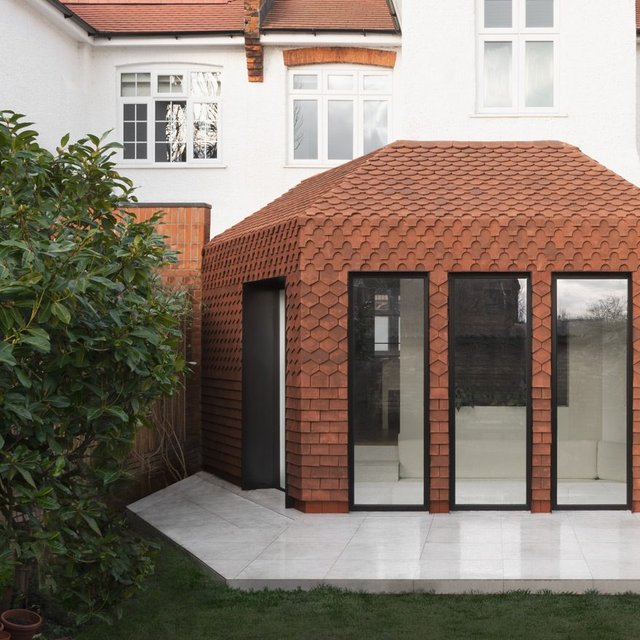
(596, 83)
(43, 71)
(254, 168)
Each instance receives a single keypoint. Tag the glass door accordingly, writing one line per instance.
(591, 391)
(489, 369)
(387, 379)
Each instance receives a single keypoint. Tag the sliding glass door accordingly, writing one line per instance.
(489, 368)
(388, 353)
(591, 358)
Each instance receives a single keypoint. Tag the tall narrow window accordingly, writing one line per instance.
(591, 390)
(387, 381)
(338, 113)
(490, 391)
(517, 51)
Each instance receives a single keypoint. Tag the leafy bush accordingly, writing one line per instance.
(90, 338)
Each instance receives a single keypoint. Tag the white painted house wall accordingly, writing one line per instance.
(65, 81)
(597, 80)
(44, 71)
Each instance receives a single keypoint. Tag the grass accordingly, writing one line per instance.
(183, 603)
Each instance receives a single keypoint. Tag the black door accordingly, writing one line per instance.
(261, 377)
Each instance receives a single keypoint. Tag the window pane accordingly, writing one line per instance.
(171, 135)
(491, 392)
(129, 112)
(498, 14)
(498, 64)
(305, 129)
(377, 83)
(134, 130)
(306, 81)
(128, 84)
(376, 125)
(143, 84)
(539, 72)
(539, 14)
(340, 83)
(592, 423)
(170, 84)
(205, 131)
(340, 133)
(387, 390)
(206, 84)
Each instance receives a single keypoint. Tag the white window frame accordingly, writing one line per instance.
(155, 70)
(323, 95)
(518, 35)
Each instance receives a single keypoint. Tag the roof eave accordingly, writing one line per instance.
(70, 15)
(110, 35)
(312, 31)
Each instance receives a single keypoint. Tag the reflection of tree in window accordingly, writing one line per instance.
(595, 325)
(171, 136)
(205, 131)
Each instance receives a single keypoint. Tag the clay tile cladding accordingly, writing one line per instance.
(429, 207)
(549, 178)
(637, 14)
(370, 15)
(161, 16)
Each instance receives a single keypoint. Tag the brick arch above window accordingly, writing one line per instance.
(333, 55)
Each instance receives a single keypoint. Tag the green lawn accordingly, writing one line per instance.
(183, 603)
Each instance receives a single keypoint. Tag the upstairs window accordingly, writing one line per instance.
(170, 116)
(517, 52)
(337, 113)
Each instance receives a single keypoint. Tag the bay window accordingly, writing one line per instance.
(517, 53)
(337, 114)
(170, 116)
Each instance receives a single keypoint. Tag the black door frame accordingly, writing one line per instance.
(424, 276)
(274, 286)
(586, 275)
(452, 405)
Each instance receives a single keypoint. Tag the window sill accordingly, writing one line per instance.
(168, 165)
(519, 115)
(316, 166)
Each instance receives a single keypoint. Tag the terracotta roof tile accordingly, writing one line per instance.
(161, 16)
(370, 15)
(638, 14)
(455, 178)
(199, 16)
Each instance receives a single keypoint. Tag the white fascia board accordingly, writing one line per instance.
(169, 41)
(58, 20)
(344, 39)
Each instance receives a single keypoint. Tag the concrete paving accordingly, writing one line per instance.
(251, 541)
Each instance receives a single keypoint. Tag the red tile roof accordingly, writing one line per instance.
(160, 16)
(369, 15)
(454, 178)
(200, 16)
(637, 14)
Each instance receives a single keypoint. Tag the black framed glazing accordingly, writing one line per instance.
(453, 277)
(351, 377)
(582, 275)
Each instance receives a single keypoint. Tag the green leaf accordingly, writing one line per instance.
(92, 523)
(6, 354)
(61, 312)
(23, 378)
(27, 476)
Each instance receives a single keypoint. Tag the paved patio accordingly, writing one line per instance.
(251, 541)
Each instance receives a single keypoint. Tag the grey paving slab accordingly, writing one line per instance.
(253, 542)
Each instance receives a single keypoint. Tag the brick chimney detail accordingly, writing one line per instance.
(253, 49)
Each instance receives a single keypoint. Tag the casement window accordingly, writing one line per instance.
(337, 113)
(170, 116)
(517, 54)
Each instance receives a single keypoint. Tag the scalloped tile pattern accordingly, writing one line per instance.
(436, 207)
